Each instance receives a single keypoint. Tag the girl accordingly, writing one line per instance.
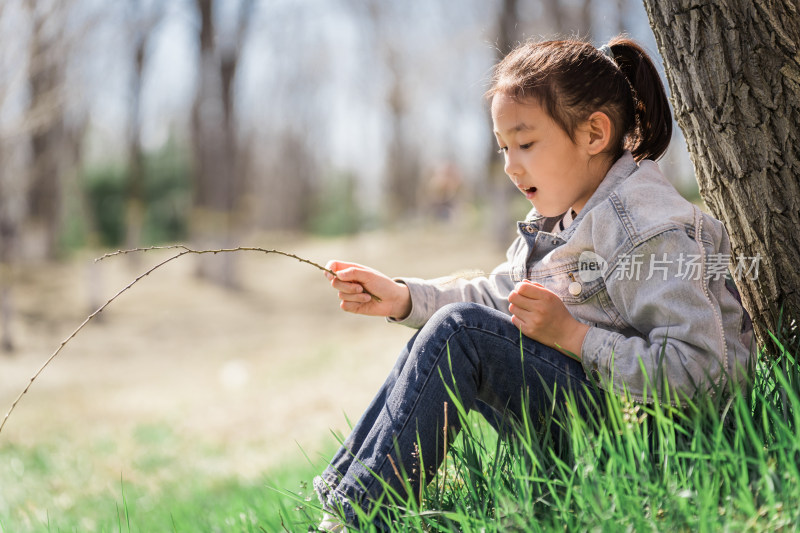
(614, 279)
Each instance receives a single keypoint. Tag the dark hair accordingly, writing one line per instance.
(573, 79)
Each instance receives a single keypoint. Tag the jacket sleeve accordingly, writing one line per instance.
(428, 296)
(666, 299)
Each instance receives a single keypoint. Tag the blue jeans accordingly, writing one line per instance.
(480, 355)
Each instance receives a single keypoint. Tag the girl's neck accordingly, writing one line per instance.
(597, 171)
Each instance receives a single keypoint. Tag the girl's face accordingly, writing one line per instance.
(553, 172)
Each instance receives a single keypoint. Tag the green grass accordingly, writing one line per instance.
(53, 486)
(711, 465)
(198, 505)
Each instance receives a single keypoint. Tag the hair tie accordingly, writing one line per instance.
(606, 51)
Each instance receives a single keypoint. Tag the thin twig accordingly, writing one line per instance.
(184, 250)
(187, 250)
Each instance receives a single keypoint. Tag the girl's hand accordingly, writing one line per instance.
(351, 279)
(541, 315)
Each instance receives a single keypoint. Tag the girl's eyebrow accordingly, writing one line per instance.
(519, 127)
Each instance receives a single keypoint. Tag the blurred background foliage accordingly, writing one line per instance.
(166, 198)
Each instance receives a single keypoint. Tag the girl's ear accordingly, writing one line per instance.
(598, 129)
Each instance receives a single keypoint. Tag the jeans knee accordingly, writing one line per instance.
(448, 321)
(461, 314)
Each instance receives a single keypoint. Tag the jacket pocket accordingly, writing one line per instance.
(588, 301)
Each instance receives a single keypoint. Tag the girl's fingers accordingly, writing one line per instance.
(356, 298)
(354, 307)
(356, 276)
(518, 312)
(332, 266)
(522, 315)
(532, 290)
(336, 266)
(517, 321)
(350, 307)
(520, 301)
(344, 286)
(351, 279)
(341, 268)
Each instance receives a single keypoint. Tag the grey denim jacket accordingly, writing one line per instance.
(644, 268)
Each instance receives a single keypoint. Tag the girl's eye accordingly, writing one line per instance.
(525, 146)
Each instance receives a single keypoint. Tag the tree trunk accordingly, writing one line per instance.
(142, 24)
(8, 230)
(215, 221)
(46, 112)
(402, 169)
(734, 72)
(500, 189)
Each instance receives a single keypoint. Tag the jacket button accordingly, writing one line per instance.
(575, 288)
(530, 229)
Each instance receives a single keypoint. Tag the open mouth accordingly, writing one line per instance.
(529, 191)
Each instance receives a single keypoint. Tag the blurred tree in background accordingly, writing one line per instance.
(142, 18)
(216, 217)
(54, 140)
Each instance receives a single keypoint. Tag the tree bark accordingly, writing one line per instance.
(733, 68)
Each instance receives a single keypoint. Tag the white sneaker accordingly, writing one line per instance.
(331, 524)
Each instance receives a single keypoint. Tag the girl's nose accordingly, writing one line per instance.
(512, 168)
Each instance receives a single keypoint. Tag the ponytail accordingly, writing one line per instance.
(652, 129)
(573, 79)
